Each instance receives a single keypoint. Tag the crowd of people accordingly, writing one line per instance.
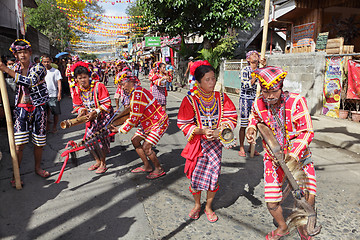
(203, 114)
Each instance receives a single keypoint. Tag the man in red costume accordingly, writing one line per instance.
(146, 111)
(288, 116)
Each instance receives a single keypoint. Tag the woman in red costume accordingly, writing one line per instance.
(158, 78)
(201, 114)
(92, 99)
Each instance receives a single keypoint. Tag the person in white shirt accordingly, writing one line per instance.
(53, 82)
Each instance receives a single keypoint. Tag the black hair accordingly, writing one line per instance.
(80, 70)
(46, 56)
(202, 70)
(161, 64)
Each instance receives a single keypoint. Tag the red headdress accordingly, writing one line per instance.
(193, 67)
(78, 64)
(197, 64)
(270, 78)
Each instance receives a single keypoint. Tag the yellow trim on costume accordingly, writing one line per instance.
(270, 84)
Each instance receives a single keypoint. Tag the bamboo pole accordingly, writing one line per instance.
(262, 55)
(10, 130)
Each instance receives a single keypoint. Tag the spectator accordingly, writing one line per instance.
(53, 82)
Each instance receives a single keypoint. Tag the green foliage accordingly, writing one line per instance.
(50, 22)
(212, 19)
(211, 56)
(188, 50)
(224, 49)
(87, 56)
(48, 19)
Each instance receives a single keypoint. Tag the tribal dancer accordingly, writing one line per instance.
(146, 110)
(247, 95)
(200, 114)
(70, 75)
(92, 99)
(288, 116)
(158, 77)
(31, 96)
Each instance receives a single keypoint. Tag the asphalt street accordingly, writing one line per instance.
(123, 205)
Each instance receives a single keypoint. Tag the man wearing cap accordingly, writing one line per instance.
(146, 111)
(30, 99)
(287, 115)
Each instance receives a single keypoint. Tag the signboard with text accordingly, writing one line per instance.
(152, 42)
(303, 31)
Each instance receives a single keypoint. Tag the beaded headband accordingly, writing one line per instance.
(248, 54)
(15, 48)
(270, 78)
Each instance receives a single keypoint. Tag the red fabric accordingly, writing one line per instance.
(298, 123)
(191, 153)
(100, 94)
(187, 124)
(353, 91)
(67, 152)
(144, 109)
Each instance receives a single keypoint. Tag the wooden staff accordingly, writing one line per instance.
(73, 122)
(10, 130)
(262, 56)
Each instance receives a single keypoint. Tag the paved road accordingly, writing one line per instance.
(122, 205)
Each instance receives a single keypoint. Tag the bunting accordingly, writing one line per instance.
(98, 15)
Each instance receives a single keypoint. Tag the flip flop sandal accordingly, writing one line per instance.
(93, 167)
(12, 182)
(153, 175)
(210, 215)
(242, 154)
(139, 170)
(273, 234)
(43, 173)
(194, 214)
(302, 237)
(101, 170)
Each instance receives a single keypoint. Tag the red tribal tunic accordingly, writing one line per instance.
(96, 98)
(203, 157)
(299, 134)
(158, 87)
(144, 109)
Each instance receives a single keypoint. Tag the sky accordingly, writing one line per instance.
(118, 9)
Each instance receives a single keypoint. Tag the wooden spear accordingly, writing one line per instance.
(10, 130)
(262, 56)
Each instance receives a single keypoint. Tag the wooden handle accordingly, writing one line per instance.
(121, 117)
(252, 150)
(72, 122)
(10, 130)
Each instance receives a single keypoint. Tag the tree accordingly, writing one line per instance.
(212, 19)
(53, 23)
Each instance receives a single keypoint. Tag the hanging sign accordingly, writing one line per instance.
(152, 42)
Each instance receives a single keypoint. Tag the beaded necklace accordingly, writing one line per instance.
(208, 104)
(277, 124)
(86, 93)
